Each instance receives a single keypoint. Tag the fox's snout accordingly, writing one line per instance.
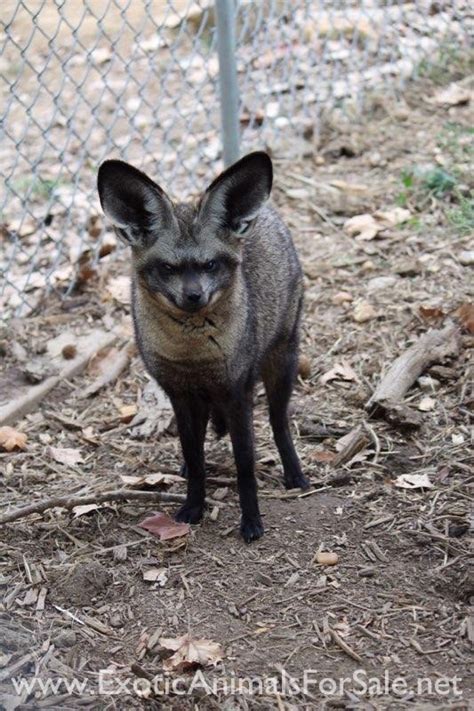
(193, 297)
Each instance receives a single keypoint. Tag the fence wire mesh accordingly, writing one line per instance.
(83, 80)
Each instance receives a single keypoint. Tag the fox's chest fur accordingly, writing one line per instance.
(194, 350)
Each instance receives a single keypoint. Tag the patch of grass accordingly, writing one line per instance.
(450, 63)
(462, 216)
(35, 187)
(438, 181)
(420, 183)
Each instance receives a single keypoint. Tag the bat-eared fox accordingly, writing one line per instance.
(216, 299)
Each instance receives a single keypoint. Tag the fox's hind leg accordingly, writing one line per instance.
(279, 374)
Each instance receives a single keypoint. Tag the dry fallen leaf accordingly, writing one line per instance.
(465, 314)
(99, 364)
(364, 227)
(11, 439)
(431, 313)
(164, 527)
(150, 479)
(349, 187)
(66, 455)
(452, 95)
(427, 404)
(119, 289)
(363, 311)
(109, 363)
(413, 481)
(84, 509)
(190, 653)
(340, 371)
(393, 217)
(156, 575)
(154, 415)
(127, 412)
(322, 455)
(342, 297)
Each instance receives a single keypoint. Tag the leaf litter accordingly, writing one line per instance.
(164, 527)
(399, 594)
(190, 653)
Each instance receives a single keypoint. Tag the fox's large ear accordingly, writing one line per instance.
(137, 207)
(235, 197)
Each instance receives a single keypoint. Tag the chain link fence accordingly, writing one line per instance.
(85, 80)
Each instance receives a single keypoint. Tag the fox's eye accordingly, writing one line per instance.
(210, 266)
(167, 268)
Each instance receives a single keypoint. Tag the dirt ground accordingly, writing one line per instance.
(388, 626)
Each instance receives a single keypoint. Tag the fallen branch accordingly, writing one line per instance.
(353, 443)
(344, 646)
(432, 347)
(19, 407)
(116, 367)
(69, 502)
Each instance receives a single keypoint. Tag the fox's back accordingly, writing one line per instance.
(273, 278)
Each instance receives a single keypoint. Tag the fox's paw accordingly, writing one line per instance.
(251, 528)
(189, 513)
(296, 481)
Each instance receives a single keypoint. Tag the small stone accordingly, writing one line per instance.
(380, 283)
(69, 351)
(428, 384)
(304, 366)
(281, 122)
(326, 558)
(375, 159)
(368, 572)
(408, 268)
(443, 372)
(363, 312)
(220, 493)
(116, 620)
(427, 404)
(467, 257)
(65, 638)
(342, 297)
(264, 579)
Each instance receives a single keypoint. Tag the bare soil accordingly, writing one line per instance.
(397, 601)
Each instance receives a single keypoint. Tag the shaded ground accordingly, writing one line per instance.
(397, 602)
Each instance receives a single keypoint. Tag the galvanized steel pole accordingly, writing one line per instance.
(229, 90)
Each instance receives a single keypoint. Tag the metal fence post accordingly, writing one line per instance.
(229, 91)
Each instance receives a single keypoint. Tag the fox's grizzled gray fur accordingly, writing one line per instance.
(216, 294)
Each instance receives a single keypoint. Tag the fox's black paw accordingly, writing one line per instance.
(184, 470)
(296, 481)
(189, 514)
(251, 528)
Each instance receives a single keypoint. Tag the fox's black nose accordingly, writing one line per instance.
(194, 297)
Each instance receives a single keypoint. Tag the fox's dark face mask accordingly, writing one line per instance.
(186, 254)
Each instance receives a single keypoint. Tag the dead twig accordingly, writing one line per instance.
(19, 407)
(433, 347)
(353, 443)
(118, 364)
(344, 646)
(69, 502)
